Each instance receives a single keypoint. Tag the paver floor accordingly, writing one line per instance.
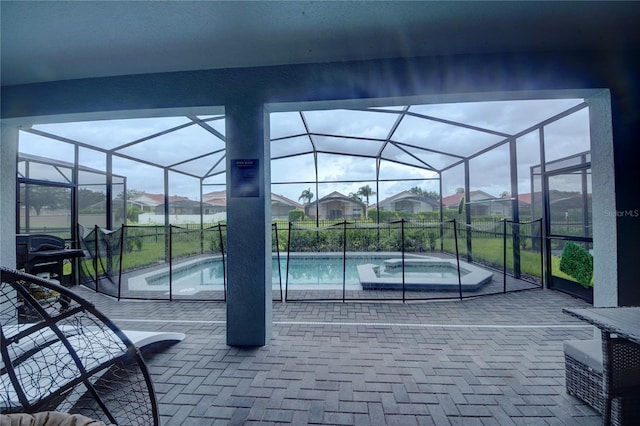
(494, 360)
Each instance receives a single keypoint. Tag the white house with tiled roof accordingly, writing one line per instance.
(408, 202)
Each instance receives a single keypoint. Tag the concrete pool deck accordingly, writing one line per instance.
(493, 360)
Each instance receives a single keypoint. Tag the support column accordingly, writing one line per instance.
(8, 171)
(248, 224)
(604, 210)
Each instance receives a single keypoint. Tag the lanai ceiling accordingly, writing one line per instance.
(44, 41)
(48, 41)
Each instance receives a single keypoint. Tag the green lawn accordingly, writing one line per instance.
(491, 250)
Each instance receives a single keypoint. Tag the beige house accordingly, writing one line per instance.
(280, 205)
(408, 202)
(335, 206)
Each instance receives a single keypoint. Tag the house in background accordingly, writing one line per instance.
(335, 206)
(408, 202)
(183, 207)
(151, 202)
(217, 201)
(480, 203)
(181, 210)
(281, 206)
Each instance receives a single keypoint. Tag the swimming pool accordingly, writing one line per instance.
(312, 271)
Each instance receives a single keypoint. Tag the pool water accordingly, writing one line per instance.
(324, 271)
(303, 270)
(428, 272)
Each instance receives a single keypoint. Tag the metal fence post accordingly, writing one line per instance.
(402, 247)
(170, 262)
(95, 258)
(123, 229)
(504, 255)
(275, 227)
(286, 278)
(455, 240)
(224, 268)
(344, 261)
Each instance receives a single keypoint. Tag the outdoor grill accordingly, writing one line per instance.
(41, 253)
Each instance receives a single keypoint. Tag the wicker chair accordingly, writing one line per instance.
(621, 380)
(583, 371)
(59, 353)
(606, 375)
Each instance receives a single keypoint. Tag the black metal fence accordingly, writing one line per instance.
(330, 262)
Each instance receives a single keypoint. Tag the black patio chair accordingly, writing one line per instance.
(58, 353)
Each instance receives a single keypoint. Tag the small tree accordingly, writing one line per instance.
(431, 194)
(133, 213)
(45, 197)
(417, 190)
(426, 194)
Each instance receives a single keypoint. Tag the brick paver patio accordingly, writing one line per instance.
(494, 360)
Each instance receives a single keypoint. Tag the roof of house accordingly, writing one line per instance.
(215, 195)
(454, 200)
(187, 203)
(408, 195)
(335, 195)
(156, 199)
(219, 198)
(284, 200)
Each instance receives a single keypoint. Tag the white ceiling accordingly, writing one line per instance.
(59, 40)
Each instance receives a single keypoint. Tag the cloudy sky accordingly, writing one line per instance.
(425, 138)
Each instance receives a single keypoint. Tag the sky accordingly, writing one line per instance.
(417, 141)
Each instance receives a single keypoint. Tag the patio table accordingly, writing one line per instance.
(620, 328)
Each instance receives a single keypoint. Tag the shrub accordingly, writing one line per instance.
(296, 214)
(577, 262)
(431, 237)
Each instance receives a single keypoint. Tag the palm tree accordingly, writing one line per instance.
(306, 195)
(355, 197)
(365, 191)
